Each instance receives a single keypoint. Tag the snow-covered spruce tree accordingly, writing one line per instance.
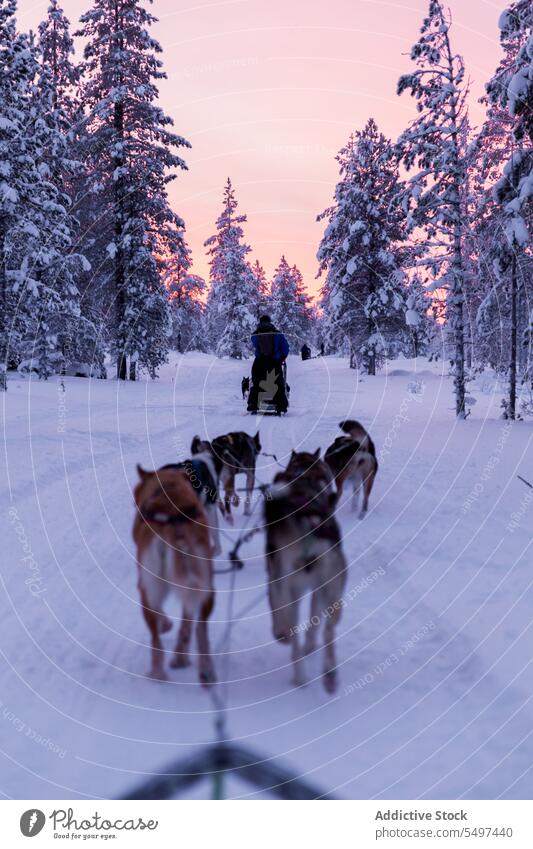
(511, 88)
(129, 154)
(421, 326)
(186, 309)
(290, 305)
(16, 167)
(262, 288)
(56, 46)
(363, 252)
(232, 301)
(51, 264)
(432, 143)
(35, 235)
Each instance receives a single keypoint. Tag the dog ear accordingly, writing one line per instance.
(316, 455)
(195, 445)
(143, 474)
(293, 455)
(257, 441)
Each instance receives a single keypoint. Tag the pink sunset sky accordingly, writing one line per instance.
(267, 91)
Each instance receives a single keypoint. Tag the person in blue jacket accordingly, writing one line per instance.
(271, 350)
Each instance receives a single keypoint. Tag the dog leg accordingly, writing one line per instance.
(250, 483)
(205, 664)
(181, 652)
(367, 489)
(338, 485)
(355, 495)
(297, 653)
(214, 531)
(152, 590)
(153, 620)
(330, 663)
(230, 496)
(313, 625)
(277, 599)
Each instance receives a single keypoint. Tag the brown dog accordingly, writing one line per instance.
(174, 553)
(352, 458)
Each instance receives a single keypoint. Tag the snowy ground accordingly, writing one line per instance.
(435, 644)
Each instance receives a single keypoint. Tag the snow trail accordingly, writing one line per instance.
(434, 644)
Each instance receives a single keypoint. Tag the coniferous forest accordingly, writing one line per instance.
(426, 247)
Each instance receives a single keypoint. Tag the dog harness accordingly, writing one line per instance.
(161, 518)
(199, 476)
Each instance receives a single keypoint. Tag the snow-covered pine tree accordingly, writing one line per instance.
(51, 264)
(232, 300)
(421, 327)
(363, 252)
(290, 305)
(16, 164)
(511, 88)
(35, 235)
(186, 309)
(56, 46)
(262, 288)
(129, 152)
(432, 143)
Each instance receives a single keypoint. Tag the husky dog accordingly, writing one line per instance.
(203, 471)
(353, 458)
(304, 553)
(245, 387)
(237, 454)
(174, 553)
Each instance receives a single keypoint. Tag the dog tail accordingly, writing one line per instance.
(349, 426)
(196, 445)
(356, 431)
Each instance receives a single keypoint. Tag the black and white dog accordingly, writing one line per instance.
(235, 453)
(245, 387)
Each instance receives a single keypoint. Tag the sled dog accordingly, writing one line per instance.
(304, 553)
(352, 459)
(174, 554)
(237, 454)
(203, 471)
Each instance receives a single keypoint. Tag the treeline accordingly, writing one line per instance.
(426, 248)
(428, 238)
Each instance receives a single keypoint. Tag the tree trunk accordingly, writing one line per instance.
(133, 370)
(120, 271)
(3, 309)
(512, 364)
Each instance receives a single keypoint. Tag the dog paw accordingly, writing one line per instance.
(157, 675)
(330, 681)
(180, 661)
(207, 677)
(281, 637)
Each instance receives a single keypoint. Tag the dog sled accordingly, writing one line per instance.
(269, 390)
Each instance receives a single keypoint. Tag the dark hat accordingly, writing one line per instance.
(265, 318)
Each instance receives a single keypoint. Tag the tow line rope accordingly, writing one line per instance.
(273, 456)
(244, 536)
